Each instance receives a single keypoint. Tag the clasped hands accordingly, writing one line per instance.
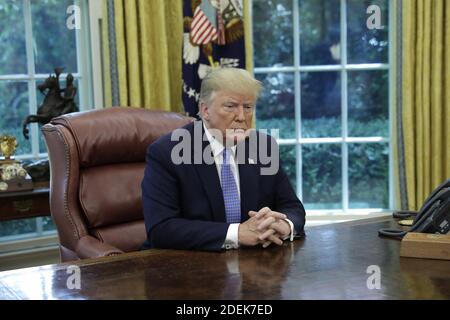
(264, 227)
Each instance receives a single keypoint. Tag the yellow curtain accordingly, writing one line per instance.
(425, 96)
(107, 93)
(248, 42)
(248, 36)
(148, 46)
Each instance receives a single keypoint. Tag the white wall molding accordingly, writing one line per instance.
(95, 22)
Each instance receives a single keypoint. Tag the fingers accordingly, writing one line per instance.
(266, 211)
(278, 215)
(272, 221)
(261, 213)
(266, 234)
(271, 236)
(276, 240)
(281, 227)
(252, 213)
(266, 223)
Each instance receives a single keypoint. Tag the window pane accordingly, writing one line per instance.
(13, 58)
(272, 33)
(368, 112)
(17, 227)
(55, 43)
(322, 178)
(364, 45)
(13, 110)
(319, 32)
(368, 175)
(288, 163)
(275, 108)
(321, 104)
(47, 224)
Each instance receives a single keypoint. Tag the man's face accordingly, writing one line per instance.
(230, 113)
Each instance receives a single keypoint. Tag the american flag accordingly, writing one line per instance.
(202, 31)
(204, 41)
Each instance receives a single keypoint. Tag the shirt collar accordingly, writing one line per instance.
(216, 146)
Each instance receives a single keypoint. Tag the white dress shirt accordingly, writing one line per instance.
(232, 238)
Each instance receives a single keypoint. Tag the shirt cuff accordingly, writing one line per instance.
(291, 234)
(231, 240)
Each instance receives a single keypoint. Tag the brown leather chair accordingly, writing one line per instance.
(97, 161)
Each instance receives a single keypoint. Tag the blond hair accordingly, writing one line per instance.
(234, 80)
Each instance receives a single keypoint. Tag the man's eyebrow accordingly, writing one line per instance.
(237, 102)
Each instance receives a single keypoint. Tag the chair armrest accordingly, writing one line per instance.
(90, 247)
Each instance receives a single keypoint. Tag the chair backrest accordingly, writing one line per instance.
(97, 161)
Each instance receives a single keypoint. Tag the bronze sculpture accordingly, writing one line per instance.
(54, 103)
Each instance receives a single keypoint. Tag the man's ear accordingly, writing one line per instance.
(204, 110)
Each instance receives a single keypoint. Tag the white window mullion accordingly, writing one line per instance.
(344, 106)
(297, 97)
(95, 9)
(39, 226)
(15, 77)
(325, 68)
(82, 37)
(32, 99)
(78, 45)
(274, 69)
(367, 66)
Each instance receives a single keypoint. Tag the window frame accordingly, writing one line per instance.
(334, 215)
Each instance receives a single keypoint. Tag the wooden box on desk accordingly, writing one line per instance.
(426, 245)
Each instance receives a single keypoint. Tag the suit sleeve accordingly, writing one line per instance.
(164, 222)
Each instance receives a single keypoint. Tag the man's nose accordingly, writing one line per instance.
(240, 116)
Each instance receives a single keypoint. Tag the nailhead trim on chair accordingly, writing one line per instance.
(76, 233)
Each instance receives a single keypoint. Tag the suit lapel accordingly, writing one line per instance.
(248, 182)
(210, 180)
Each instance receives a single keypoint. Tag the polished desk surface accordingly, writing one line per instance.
(330, 263)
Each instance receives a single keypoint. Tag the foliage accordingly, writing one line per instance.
(272, 37)
(322, 175)
(17, 227)
(53, 45)
(320, 96)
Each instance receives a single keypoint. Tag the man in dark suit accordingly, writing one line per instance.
(209, 186)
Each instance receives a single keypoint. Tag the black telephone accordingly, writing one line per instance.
(433, 216)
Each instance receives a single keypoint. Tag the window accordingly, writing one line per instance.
(35, 38)
(326, 88)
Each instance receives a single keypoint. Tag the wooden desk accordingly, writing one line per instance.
(24, 204)
(330, 263)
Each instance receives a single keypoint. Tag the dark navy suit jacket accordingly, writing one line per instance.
(183, 203)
